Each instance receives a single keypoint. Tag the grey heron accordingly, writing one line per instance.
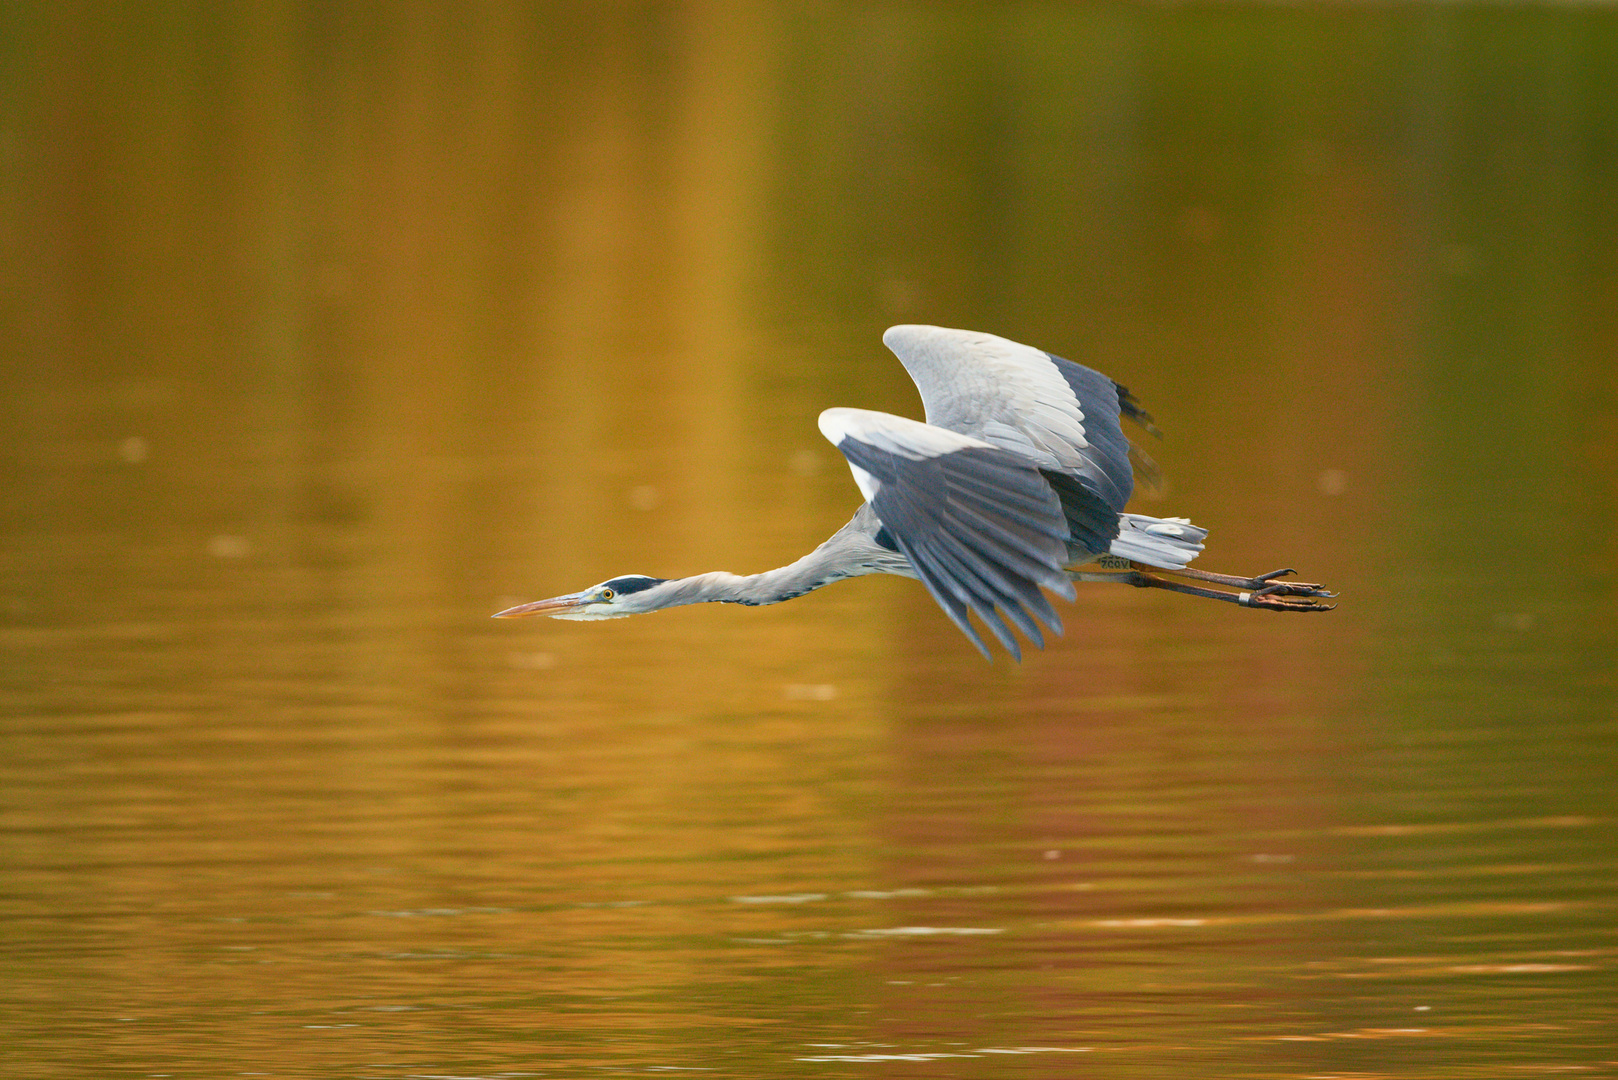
(1016, 483)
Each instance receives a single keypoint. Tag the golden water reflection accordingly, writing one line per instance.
(329, 333)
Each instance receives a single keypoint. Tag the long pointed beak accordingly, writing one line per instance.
(554, 607)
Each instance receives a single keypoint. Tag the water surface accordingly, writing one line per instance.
(329, 333)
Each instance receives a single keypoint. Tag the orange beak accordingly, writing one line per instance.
(556, 606)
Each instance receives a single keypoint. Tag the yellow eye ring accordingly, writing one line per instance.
(607, 594)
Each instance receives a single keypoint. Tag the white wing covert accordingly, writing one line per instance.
(980, 526)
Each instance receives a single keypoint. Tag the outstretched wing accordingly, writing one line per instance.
(982, 527)
(1060, 415)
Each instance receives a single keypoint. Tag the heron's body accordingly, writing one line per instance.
(1020, 473)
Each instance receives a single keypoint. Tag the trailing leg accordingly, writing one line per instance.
(1255, 584)
(1267, 595)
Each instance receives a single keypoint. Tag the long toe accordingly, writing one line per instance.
(1290, 588)
(1272, 599)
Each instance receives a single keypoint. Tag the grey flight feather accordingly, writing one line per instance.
(982, 528)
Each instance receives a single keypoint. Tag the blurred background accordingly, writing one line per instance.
(330, 329)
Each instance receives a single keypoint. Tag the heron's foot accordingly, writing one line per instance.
(1263, 592)
(1279, 597)
(1263, 585)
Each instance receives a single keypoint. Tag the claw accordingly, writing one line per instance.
(1276, 574)
(1275, 599)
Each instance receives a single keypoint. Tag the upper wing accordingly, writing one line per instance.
(981, 527)
(1062, 416)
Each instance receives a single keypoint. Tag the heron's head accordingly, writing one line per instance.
(612, 599)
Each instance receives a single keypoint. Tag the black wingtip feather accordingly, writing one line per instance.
(1129, 407)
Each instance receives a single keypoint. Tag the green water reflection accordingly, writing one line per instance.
(330, 331)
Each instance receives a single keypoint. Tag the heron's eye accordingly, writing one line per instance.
(607, 594)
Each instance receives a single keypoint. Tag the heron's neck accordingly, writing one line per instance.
(771, 587)
(849, 553)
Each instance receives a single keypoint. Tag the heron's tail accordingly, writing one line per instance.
(1168, 543)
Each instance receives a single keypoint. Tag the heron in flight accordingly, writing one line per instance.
(1016, 483)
